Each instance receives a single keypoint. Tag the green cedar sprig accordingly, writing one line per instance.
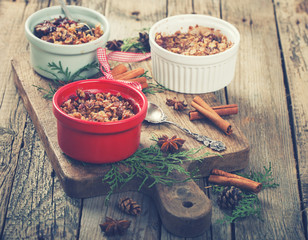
(250, 204)
(153, 166)
(63, 76)
(130, 43)
(134, 43)
(153, 87)
(49, 92)
(265, 178)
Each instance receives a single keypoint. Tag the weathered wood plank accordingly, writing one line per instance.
(235, 157)
(144, 226)
(211, 8)
(38, 206)
(263, 116)
(39, 209)
(147, 225)
(260, 54)
(292, 17)
(12, 112)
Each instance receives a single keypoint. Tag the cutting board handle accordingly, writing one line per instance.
(184, 209)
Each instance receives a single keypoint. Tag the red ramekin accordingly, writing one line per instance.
(96, 142)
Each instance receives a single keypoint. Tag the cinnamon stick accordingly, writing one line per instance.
(228, 179)
(118, 69)
(208, 112)
(141, 80)
(130, 74)
(144, 85)
(138, 79)
(222, 110)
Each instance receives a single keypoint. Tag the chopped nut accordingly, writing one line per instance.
(66, 32)
(99, 107)
(198, 41)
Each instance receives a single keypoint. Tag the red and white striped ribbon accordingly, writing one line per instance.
(105, 69)
(133, 84)
(128, 56)
(104, 65)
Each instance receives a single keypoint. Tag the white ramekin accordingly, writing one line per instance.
(193, 74)
(72, 57)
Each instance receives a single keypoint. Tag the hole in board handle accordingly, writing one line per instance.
(187, 204)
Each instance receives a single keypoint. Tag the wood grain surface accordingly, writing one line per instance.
(270, 86)
(85, 180)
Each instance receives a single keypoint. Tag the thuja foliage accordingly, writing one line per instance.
(152, 166)
(250, 204)
(263, 177)
(62, 76)
(134, 43)
(153, 87)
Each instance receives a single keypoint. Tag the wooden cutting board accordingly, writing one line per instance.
(184, 208)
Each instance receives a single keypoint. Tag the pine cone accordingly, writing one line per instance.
(144, 39)
(229, 197)
(129, 206)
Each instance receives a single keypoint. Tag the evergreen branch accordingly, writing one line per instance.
(250, 204)
(153, 167)
(146, 75)
(49, 92)
(63, 76)
(131, 43)
(87, 67)
(56, 77)
(59, 70)
(265, 178)
(154, 88)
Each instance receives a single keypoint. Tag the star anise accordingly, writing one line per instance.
(114, 45)
(170, 144)
(114, 227)
(177, 105)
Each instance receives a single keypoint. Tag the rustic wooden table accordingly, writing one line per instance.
(269, 86)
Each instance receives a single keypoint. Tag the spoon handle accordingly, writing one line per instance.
(213, 144)
(70, 17)
(64, 8)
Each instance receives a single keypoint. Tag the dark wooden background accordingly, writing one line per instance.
(270, 87)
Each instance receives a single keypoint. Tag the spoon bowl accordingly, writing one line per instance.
(85, 27)
(156, 115)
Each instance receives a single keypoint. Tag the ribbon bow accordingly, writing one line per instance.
(105, 67)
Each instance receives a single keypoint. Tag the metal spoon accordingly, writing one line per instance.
(70, 17)
(156, 115)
